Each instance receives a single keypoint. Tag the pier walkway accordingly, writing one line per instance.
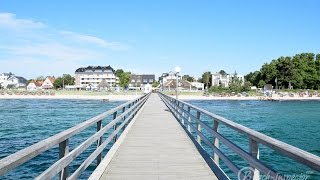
(157, 147)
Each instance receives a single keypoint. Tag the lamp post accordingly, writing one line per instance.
(177, 69)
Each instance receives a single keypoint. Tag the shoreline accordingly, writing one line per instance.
(131, 97)
(250, 98)
(74, 97)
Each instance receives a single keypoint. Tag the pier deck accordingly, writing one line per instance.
(157, 147)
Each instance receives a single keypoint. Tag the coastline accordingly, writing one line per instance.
(182, 97)
(74, 97)
(249, 98)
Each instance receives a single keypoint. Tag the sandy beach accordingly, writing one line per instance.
(274, 97)
(79, 97)
(131, 97)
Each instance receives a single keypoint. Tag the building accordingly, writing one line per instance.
(220, 79)
(4, 79)
(91, 76)
(48, 83)
(224, 79)
(16, 82)
(141, 80)
(165, 77)
(34, 85)
(183, 85)
(198, 85)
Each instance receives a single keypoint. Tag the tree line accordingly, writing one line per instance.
(301, 71)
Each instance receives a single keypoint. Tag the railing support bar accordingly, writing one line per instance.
(254, 151)
(216, 141)
(115, 126)
(189, 119)
(199, 128)
(64, 150)
(99, 142)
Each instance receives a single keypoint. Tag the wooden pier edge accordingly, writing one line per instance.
(97, 173)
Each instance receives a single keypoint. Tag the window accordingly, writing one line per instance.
(151, 80)
(133, 80)
(145, 80)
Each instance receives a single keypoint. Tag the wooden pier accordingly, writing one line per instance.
(156, 147)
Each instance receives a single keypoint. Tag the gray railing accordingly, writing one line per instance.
(182, 111)
(121, 115)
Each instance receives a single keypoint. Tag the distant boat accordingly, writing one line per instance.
(105, 100)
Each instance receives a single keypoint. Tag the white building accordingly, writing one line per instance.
(165, 77)
(220, 79)
(48, 83)
(34, 85)
(4, 79)
(16, 82)
(224, 79)
(198, 85)
(91, 76)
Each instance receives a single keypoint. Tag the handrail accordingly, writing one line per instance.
(255, 138)
(127, 110)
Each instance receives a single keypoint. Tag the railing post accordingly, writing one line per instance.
(189, 119)
(115, 126)
(182, 114)
(198, 127)
(216, 141)
(254, 152)
(99, 142)
(64, 150)
(178, 107)
(124, 118)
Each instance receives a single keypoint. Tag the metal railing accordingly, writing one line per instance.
(121, 115)
(182, 111)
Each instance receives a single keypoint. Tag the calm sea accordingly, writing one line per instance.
(25, 122)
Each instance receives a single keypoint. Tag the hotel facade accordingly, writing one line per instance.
(93, 75)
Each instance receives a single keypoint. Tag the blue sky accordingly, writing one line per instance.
(56, 37)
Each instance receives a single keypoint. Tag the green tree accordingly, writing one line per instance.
(124, 79)
(119, 72)
(206, 78)
(40, 78)
(155, 83)
(222, 72)
(235, 85)
(58, 83)
(188, 78)
(66, 79)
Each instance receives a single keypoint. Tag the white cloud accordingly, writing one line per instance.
(33, 48)
(9, 20)
(53, 51)
(87, 39)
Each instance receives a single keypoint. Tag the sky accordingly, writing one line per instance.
(42, 37)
